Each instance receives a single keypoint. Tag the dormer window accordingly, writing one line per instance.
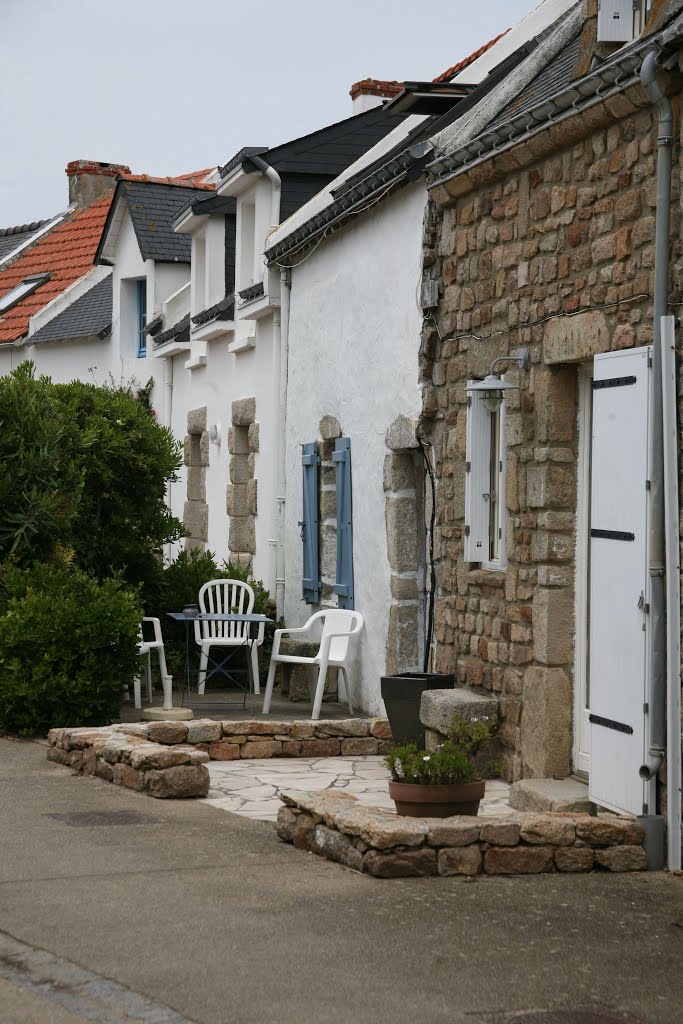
(27, 287)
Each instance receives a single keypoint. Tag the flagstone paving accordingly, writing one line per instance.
(251, 787)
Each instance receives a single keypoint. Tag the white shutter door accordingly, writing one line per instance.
(618, 578)
(477, 480)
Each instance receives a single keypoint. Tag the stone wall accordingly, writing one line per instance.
(550, 246)
(379, 843)
(243, 444)
(166, 759)
(404, 516)
(196, 450)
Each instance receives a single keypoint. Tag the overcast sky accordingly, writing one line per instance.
(168, 86)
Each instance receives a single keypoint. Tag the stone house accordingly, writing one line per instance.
(543, 235)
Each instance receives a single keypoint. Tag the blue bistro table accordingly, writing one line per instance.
(213, 666)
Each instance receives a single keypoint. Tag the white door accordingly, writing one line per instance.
(618, 579)
(582, 726)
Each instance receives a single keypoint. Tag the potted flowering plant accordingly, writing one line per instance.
(446, 781)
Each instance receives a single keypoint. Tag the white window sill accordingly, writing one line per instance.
(242, 344)
(195, 362)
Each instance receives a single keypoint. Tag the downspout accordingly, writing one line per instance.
(656, 560)
(275, 181)
(285, 291)
(280, 340)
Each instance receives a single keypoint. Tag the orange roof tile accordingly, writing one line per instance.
(193, 179)
(66, 253)
(457, 68)
(377, 87)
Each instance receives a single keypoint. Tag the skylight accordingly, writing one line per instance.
(28, 285)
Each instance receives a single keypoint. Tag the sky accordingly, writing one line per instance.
(170, 86)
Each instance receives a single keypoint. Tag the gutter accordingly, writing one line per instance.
(656, 553)
(374, 186)
(276, 182)
(607, 81)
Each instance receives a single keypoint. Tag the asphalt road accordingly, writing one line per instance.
(192, 914)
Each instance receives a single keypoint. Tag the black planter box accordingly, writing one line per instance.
(402, 695)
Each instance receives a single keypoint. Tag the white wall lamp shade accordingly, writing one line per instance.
(492, 389)
(215, 433)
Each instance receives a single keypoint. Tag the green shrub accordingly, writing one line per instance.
(41, 476)
(122, 520)
(68, 647)
(86, 468)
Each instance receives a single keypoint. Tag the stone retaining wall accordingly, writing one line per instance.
(384, 845)
(166, 759)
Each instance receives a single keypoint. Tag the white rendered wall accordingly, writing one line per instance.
(354, 335)
(226, 377)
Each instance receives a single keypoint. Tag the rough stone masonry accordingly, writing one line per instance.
(562, 224)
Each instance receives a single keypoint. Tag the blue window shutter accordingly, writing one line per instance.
(309, 524)
(344, 583)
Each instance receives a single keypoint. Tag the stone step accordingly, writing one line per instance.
(551, 795)
(439, 707)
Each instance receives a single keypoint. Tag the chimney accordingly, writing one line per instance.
(89, 179)
(371, 92)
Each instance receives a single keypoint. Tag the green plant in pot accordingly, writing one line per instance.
(448, 780)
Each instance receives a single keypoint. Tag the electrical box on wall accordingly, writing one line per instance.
(616, 20)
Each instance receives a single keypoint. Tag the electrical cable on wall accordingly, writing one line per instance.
(432, 568)
(531, 323)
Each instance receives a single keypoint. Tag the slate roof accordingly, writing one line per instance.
(558, 75)
(66, 253)
(179, 332)
(12, 238)
(88, 316)
(400, 164)
(153, 207)
(332, 149)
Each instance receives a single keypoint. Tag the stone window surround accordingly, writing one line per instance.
(196, 455)
(241, 496)
(404, 508)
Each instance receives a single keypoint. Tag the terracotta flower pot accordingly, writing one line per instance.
(415, 801)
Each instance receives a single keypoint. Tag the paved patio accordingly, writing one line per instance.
(227, 704)
(251, 787)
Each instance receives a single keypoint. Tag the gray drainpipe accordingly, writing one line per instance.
(648, 78)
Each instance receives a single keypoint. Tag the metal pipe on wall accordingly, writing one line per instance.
(285, 286)
(673, 593)
(656, 558)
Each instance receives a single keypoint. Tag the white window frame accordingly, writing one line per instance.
(482, 479)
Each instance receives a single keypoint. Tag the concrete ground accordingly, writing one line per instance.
(194, 914)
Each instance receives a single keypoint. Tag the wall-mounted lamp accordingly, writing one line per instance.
(215, 433)
(492, 387)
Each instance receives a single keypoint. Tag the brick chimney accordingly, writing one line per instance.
(89, 179)
(370, 93)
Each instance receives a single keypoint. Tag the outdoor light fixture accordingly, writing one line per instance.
(492, 387)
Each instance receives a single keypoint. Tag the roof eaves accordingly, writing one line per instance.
(396, 172)
(173, 332)
(612, 77)
(240, 157)
(219, 311)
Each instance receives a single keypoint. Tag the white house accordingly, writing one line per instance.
(354, 254)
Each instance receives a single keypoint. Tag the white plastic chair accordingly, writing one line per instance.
(218, 597)
(145, 648)
(339, 626)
